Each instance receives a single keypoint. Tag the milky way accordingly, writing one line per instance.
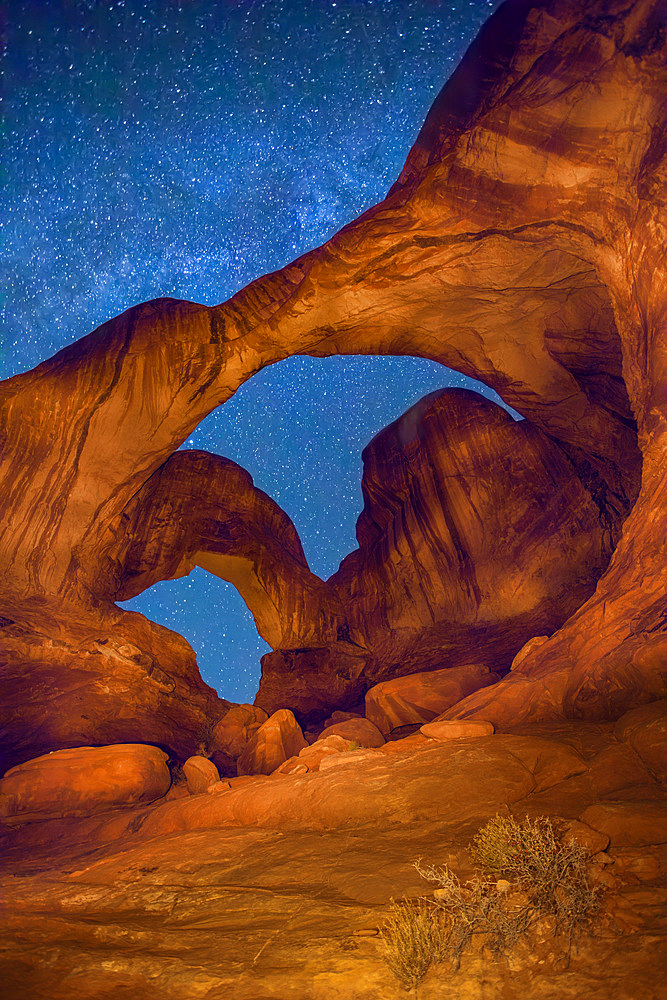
(183, 149)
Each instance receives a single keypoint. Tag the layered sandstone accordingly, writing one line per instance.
(476, 535)
(276, 740)
(417, 698)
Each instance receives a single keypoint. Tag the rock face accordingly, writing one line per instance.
(203, 510)
(522, 244)
(200, 774)
(276, 739)
(73, 677)
(83, 782)
(441, 730)
(645, 729)
(236, 728)
(475, 534)
(418, 698)
(360, 731)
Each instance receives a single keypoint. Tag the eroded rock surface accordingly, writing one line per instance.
(476, 535)
(276, 886)
(276, 739)
(360, 731)
(200, 773)
(236, 728)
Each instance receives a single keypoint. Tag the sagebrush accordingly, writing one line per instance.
(527, 872)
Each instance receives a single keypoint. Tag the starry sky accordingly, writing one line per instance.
(164, 148)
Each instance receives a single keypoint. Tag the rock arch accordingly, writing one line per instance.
(521, 245)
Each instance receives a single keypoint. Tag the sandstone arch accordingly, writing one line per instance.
(522, 245)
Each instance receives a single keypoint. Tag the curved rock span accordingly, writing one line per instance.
(523, 244)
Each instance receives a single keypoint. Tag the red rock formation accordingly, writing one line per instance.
(82, 782)
(74, 677)
(260, 889)
(200, 773)
(417, 698)
(276, 740)
(476, 535)
(238, 725)
(473, 526)
(203, 510)
(522, 244)
(442, 730)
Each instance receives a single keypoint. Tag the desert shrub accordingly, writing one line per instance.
(552, 872)
(414, 936)
(474, 907)
(529, 872)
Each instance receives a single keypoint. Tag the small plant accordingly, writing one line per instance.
(414, 937)
(552, 872)
(529, 872)
(474, 907)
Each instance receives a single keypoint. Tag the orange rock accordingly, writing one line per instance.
(238, 725)
(645, 729)
(593, 841)
(311, 757)
(83, 781)
(218, 786)
(357, 730)
(629, 824)
(200, 772)
(277, 739)
(336, 717)
(529, 215)
(421, 697)
(457, 730)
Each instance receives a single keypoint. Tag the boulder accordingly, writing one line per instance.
(311, 757)
(356, 730)
(421, 697)
(593, 841)
(645, 730)
(441, 730)
(276, 739)
(235, 729)
(200, 773)
(83, 781)
(638, 823)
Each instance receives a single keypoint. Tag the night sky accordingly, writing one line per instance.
(184, 149)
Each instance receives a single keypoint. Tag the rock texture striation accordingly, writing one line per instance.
(276, 740)
(417, 698)
(476, 535)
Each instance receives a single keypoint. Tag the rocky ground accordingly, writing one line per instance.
(276, 886)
